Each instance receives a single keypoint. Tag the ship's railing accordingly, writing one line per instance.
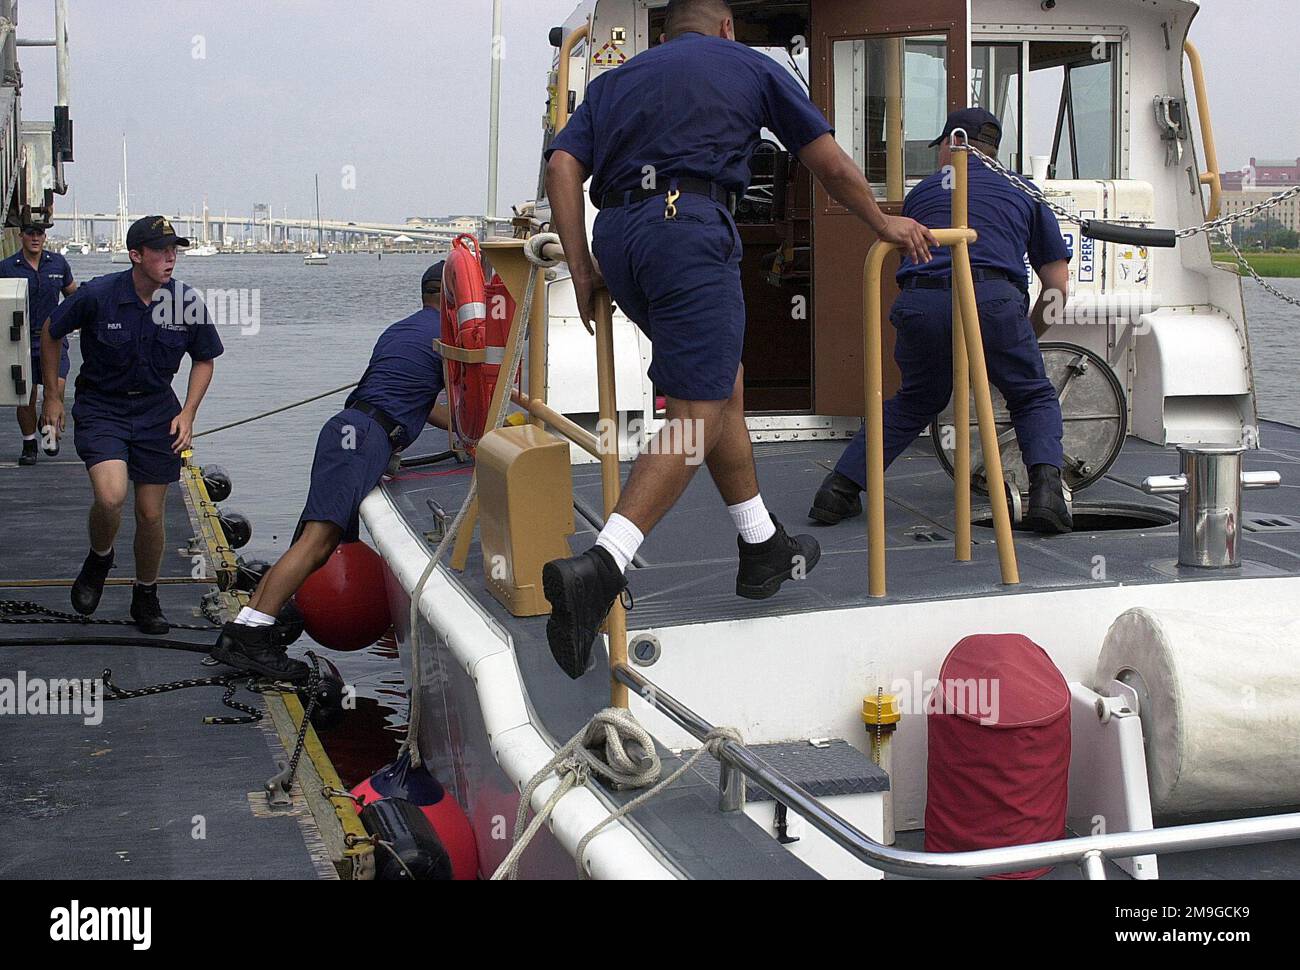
(1089, 853)
(968, 370)
(1211, 175)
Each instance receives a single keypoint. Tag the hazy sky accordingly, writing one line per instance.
(398, 89)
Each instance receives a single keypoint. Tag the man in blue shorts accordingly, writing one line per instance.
(136, 327)
(666, 140)
(1011, 226)
(389, 408)
(48, 276)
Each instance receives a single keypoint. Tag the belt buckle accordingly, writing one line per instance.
(670, 211)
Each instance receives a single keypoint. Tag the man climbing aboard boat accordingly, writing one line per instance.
(135, 328)
(394, 399)
(666, 139)
(1010, 225)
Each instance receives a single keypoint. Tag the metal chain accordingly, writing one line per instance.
(1226, 236)
(1219, 226)
(12, 610)
(1064, 214)
(313, 699)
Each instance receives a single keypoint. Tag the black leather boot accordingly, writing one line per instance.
(28, 457)
(581, 591)
(839, 498)
(147, 611)
(1048, 512)
(89, 584)
(764, 566)
(255, 649)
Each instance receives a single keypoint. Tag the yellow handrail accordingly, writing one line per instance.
(1211, 177)
(562, 75)
(965, 315)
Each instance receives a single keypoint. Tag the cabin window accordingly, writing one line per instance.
(995, 86)
(890, 102)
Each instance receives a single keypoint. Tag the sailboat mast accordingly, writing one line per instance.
(320, 248)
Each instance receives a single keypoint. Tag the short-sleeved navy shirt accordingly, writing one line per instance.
(405, 378)
(128, 346)
(43, 286)
(693, 107)
(1010, 224)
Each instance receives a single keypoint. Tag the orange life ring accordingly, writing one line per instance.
(476, 319)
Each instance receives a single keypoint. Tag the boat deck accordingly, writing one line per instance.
(151, 792)
(686, 576)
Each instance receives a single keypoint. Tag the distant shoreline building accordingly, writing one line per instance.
(1258, 181)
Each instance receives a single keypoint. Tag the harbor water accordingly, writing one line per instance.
(304, 329)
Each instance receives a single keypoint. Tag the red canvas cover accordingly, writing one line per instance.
(999, 747)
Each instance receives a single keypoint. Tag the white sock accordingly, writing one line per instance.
(102, 555)
(621, 539)
(250, 617)
(29, 437)
(752, 520)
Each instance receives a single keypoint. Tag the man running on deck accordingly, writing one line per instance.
(386, 412)
(136, 328)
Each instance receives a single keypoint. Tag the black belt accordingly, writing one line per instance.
(396, 433)
(981, 276)
(688, 186)
(84, 386)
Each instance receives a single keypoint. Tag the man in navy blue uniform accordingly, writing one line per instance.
(667, 139)
(136, 327)
(1010, 225)
(48, 276)
(389, 408)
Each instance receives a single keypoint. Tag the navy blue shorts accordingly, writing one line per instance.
(679, 281)
(136, 430)
(65, 365)
(352, 454)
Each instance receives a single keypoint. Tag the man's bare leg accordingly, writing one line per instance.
(108, 480)
(150, 531)
(308, 553)
(27, 415)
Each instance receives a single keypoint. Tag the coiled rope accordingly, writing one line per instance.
(612, 733)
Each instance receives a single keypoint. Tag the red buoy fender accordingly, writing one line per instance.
(344, 604)
(418, 786)
(476, 316)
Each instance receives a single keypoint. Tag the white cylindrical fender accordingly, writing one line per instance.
(1219, 697)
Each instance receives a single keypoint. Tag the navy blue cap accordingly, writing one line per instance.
(156, 232)
(431, 281)
(976, 122)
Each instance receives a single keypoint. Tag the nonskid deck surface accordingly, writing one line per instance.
(151, 792)
(689, 576)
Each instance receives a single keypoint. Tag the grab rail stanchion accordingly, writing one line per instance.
(968, 359)
(611, 483)
(964, 289)
(961, 433)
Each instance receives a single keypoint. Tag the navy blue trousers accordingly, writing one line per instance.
(922, 320)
